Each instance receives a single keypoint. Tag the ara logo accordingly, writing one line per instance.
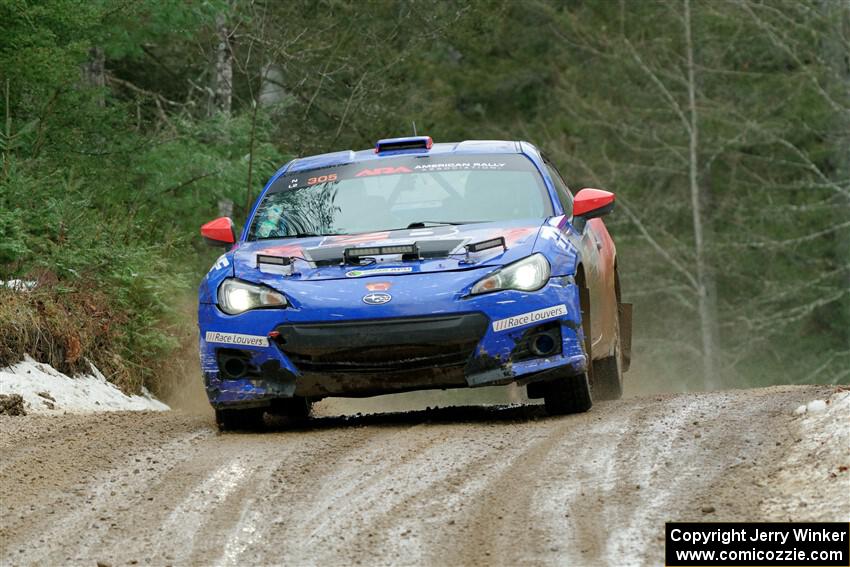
(383, 171)
(377, 298)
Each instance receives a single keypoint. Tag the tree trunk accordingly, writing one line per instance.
(704, 278)
(835, 48)
(249, 197)
(94, 72)
(222, 87)
(271, 85)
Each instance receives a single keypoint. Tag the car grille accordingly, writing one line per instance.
(390, 358)
(388, 345)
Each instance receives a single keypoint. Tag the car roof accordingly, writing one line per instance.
(469, 147)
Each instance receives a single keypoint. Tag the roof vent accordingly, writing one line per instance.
(402, 144)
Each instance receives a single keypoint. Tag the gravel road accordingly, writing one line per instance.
(454, 486)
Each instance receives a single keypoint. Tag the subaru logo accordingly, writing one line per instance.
(377, 298)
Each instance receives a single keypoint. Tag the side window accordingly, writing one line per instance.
(561, 188)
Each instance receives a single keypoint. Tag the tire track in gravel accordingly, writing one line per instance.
(656, 425)
(634, 466)
(464, 485)
(447, 501)
(162, 503)
(59, 476)
(197, 503)
(40, 439)
(505, 525)
(259, 513)
(297, 524)
(765, 450)
(394, 513)
(34, 443)
(222, 492)
(695, 442)
(563, 501)
(707, 437)
(45, 537)
(249, 520)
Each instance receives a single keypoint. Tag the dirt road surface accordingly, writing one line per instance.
(455, 486)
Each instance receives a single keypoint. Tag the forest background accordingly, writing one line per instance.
(722, 126)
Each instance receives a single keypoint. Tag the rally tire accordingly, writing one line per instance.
(584, 305)
(252, 419)
(570, 394)
(294, 410)
(608, 378)
(607, 375)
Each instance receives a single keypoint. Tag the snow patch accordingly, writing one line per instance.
(19, 285)
(813, 476)
(47, 391)
(816, 406)
(820, 406)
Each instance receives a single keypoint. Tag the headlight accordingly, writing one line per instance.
(528, 274)
(235, 296)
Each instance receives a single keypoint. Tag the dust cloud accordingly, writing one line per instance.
(416, 401)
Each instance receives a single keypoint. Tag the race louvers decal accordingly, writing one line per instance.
(236, 339)
(529, 318)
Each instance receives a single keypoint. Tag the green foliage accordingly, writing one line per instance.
(108, 194)
(12, 245)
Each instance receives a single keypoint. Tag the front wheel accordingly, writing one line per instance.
(295, 409)
(251, 419)
(567, 395)
(608, 377)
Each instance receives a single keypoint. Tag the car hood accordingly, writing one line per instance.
(320, 258)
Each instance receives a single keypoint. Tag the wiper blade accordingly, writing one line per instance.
(424, 223)
(298, 235)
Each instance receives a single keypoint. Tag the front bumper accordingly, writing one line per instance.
(444, 343)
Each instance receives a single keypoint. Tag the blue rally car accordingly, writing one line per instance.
(413, 266)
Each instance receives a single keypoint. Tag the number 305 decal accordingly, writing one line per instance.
(321, 179)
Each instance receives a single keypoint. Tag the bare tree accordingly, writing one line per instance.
(728, 206)
(707, 315)
(94, 71)
(837, 54)
(222, 80)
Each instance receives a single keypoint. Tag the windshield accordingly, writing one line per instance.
(401, 192)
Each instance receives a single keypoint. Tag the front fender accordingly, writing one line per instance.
(559, 248)
(222, 268)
